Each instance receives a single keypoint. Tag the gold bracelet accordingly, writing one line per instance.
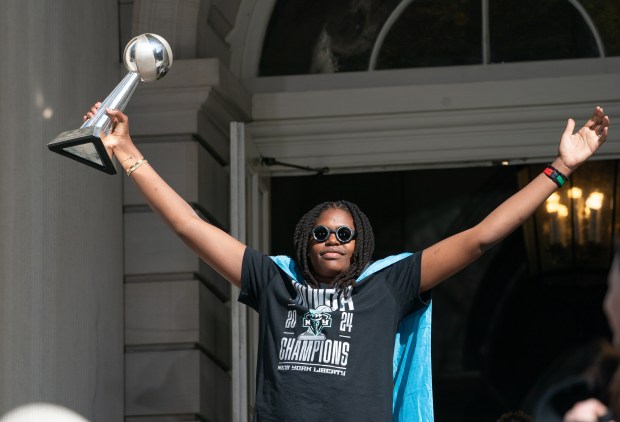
(135, 166)
(129, 158)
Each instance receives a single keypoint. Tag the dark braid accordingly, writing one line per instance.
(364, 243)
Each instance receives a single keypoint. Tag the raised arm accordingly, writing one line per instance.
(450, 255)
(216, 247)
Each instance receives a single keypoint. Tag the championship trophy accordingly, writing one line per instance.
(147, 57)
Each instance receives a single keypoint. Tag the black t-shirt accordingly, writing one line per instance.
(326, 355)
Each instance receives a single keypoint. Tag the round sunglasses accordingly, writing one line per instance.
(344, 234)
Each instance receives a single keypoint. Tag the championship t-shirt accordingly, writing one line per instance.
(324, 354)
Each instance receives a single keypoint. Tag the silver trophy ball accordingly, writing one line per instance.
(149, 55)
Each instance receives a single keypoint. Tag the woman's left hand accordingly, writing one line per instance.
(575, 148)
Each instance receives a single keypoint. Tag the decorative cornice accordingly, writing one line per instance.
(416, 126)
(199, 97)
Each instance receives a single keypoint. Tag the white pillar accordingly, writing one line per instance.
(61, 275)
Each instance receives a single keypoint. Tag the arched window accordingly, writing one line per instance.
(326, 36)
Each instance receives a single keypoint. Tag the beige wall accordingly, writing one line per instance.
(71, 237)
(60, 255)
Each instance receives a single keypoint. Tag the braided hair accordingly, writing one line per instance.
(364, 243)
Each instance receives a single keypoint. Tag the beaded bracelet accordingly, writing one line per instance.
(555, 175)
(135, 166)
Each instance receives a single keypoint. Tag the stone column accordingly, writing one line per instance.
(177, 324)
(61, 274)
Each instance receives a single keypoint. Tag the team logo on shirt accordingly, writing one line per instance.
(324, 345)
(315, 320)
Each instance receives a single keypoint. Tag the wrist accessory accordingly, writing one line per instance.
(135, 166)
(555, 175)
(130, 158)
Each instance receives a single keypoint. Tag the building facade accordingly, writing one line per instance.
(102, 310)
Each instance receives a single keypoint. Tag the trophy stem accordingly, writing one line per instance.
(147, 57)
(117, 99)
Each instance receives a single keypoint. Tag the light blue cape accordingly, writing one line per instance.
(412, 399)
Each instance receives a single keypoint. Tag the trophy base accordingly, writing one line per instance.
(84, 145)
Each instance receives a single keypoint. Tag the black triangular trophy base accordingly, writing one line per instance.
(84, 145)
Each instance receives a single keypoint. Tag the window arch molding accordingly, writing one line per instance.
(320, 37)
(247, 37)
(586, 17)
(404, 4)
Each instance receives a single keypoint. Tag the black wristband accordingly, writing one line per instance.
(555, 175)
